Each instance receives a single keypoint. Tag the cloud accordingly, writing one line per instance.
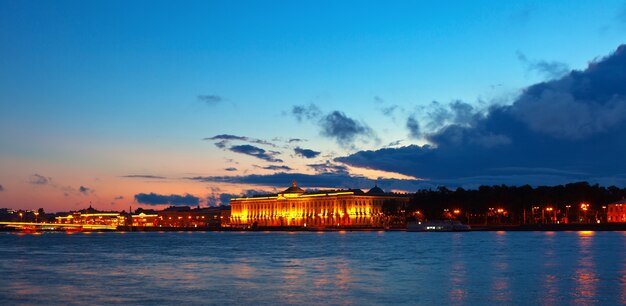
(329, 167)
(224, 140)
(256, 152)
(280, 180)
(306, 153)
(292, 140)
(37, 179)
(275, 168)
(335, 125)
(308, 112)
(144, 176)
(210, 99)
(548, 69)
(84, 190)
(118, 198)
(1, 188)
(172, 199)
(231, 169)
(574, 124)
(414, 128)
(343, 128)
(219, 199)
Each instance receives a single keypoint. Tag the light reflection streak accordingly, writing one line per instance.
(457, 293)
(585, 276)
(500, 285)
(549, 280)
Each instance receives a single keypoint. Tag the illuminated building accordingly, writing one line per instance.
(91, 216)
(616, 212)
(184, 216)
(294, 207)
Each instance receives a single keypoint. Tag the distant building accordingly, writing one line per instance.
(184, 216)
(295, 207)
(91, 216)
(616, 212)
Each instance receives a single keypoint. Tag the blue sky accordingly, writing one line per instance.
(92, 91)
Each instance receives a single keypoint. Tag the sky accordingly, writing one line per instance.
(127, 104)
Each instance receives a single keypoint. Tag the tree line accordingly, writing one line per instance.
(509, 204)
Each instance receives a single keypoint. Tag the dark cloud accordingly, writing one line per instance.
(256, 152)
(329, 167)
(84, 190)
(1, 188)
(573, 126)
(37, 179)
(394, 143)
(231, 169)
(217, 198)
(172, 199)
(414, 128)
(292, 140)
(306, 153)
(118, 198)
(144, 176)
(224, 139)
(280, 180)
(335, 125)
(210, 99)
(275, 168)
(308, 112)
(548, 69)
(343, 128)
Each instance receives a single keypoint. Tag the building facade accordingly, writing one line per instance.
(616, 212)
(294, 207)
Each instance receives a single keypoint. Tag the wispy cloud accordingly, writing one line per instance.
(37, 179)
(257, 152)
(231, 169)
(210, 99)
(145, 176)
(329, 167)
(548, 69)
(224, 139)
(275, 167)
(306, 153)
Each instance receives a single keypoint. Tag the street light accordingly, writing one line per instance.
(549, 209)
(567, 213)
(21, 215)
(584, 207)
(36, 215)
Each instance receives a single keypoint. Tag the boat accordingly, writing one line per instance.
(437, 226)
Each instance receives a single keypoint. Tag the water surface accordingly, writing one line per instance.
(340, 268)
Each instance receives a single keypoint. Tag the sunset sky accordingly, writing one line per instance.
(157, 103)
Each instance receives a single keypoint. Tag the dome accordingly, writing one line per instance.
(294, 188)
(376, 190)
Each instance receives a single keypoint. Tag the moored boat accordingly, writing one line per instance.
(437, 226)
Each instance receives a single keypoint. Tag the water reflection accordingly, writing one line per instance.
(585, 275)
(457, 293)
(360, 268)
(500, 283)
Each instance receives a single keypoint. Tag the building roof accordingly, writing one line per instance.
(294, 188)
(376, 190)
